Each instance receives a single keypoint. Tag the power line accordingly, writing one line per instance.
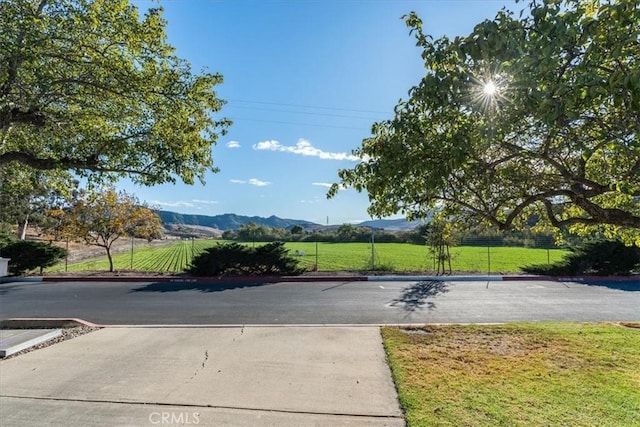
(302, 112)
(294, 123)
(309, 106)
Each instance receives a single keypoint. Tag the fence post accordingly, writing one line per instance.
(488, 260)
(373, 254)
(434, 263)
(548, 256)
(316, 234)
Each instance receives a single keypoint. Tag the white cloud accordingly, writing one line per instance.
(183, 204)
(267, 145)
(258, 183)
(304, 148)
(171, 204)
(206, 202)
(328, 185)
(252, 181)
(233, 144)
(322, 184)
(310, 201)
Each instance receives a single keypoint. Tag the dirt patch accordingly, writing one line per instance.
(635, 325)
(463, 341)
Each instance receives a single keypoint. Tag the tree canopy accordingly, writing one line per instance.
(536, 113)
(93, 87)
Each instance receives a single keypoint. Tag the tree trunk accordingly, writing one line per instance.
(22, 228)
(110, 258)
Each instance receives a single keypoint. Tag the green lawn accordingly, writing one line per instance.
(336, 257)
(517, 374)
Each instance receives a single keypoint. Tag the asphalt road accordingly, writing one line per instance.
(126, 303)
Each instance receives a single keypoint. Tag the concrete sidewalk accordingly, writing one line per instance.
(236, 376)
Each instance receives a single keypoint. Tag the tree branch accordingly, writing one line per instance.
(89, 163)
(16, 115)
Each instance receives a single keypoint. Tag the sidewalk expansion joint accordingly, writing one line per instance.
(190, 405)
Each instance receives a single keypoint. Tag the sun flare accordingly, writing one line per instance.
(490, 88)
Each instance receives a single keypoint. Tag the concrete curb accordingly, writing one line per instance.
(435, 278)
(632, 279)
(11, 279)
(323, 278)
(18, 340)
(45, 323)
(179, 279)
(64, 323)
(292, 325)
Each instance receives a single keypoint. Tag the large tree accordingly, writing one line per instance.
(532, 113)
(93, 87)
(100, 218)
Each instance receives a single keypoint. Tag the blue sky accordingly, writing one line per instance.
(304, 81)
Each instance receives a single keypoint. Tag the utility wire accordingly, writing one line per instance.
(293, 123)
(309, 106)
(301, 112)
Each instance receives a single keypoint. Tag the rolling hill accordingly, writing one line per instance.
(215, 225)
(230, 221)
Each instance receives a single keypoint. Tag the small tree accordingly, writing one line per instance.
(439, 237)
(100, 219)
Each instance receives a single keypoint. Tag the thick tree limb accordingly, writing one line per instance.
(89, 163)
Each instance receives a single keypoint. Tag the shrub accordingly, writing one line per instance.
(25, 255)
(6, 238)
(599, 257)
(234, 259)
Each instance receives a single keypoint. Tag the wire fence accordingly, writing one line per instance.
(486, 256)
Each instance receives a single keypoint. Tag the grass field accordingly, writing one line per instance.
(334, 257)
(517, 375)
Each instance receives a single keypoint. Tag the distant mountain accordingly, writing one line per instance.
(230, 221)
(392, 224)
(216, 224)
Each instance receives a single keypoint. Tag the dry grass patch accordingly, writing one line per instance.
(517, 374)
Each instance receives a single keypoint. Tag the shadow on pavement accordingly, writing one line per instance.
(621, 285)
(196, 286)
(6, 288)
(414, 297)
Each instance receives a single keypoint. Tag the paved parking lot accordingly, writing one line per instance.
(340, 302)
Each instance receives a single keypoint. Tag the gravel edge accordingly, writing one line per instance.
(67, 334)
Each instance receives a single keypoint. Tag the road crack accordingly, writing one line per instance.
(204, 361)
